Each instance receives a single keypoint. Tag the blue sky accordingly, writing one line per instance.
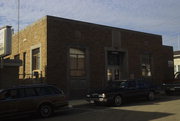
(152, 16)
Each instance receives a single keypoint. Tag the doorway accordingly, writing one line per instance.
(113, 73)
(115, 65)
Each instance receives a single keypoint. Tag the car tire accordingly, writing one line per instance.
(45, 110)
(117, 100)
(151, 96)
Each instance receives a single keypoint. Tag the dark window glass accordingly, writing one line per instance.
(30, 92)
(43, 91)
(146, 65)
(21, 93)
(77, 62)
(131, 84)
(24, 64)
(11, 94)
(113, 58)
(55, 90)
(141, 85)
(36, 59)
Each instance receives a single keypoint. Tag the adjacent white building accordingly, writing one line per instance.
(176, 61)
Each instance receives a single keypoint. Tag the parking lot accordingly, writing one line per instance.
(165, 108)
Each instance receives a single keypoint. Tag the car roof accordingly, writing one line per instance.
(28, 86)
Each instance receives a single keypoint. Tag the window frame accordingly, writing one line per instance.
(24, 64)
(146, 64)
(79, 70)
(40, 59)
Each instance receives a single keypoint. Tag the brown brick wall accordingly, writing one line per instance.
(35, 34)
(62, 36)
(57, 35)
(138, 43)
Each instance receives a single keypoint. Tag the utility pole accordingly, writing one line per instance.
(18, 23)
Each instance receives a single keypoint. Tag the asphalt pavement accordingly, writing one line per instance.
(165, 108)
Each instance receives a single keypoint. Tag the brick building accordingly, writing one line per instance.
(77, 56)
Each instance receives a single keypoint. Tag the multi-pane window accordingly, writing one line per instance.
(36, 59)
(146, 65)
(114, 58)
(77, 62)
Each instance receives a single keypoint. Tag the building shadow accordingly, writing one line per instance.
(100, 113)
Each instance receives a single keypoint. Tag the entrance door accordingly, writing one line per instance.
(113, 73)
(115, 62)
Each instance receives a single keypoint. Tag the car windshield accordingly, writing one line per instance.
(116, 84)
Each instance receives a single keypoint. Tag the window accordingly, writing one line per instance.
(55, 90)
(146, 65)
(24, 64)
(11, 94)
(21, 93)
(77, 62)
(131, 84)
(36, 59)
(114, 58)
(43, 91)
(30, 92)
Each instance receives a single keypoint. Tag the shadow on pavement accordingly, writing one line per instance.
(146, 102)
(103, 115)
(91, 112)
(98, 113)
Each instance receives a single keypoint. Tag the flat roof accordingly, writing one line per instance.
(177, 52)
(106, 26)
(87, 23)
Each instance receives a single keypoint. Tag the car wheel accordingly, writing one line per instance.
(45, 110)
(151, 96)
(117, 100)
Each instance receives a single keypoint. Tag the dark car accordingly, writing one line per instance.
(172, 88)
(117, 91)
(43, 99)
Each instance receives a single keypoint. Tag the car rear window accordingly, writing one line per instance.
(43, 91)
(55, 90)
